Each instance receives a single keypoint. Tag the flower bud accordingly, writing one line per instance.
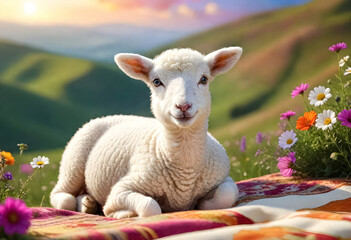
(334, 156)
(329, 81)
(337, 99)
(22, 147)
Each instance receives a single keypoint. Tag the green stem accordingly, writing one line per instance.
(292, 127)
(341, 82)
(340, 150)
(348, 145)
(306, 104)
(21, 192)
(42, 201)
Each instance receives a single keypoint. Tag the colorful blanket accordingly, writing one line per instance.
(269, 207)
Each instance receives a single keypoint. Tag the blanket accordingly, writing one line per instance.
(269, 207)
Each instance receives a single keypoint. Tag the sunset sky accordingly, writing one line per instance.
(174, 14)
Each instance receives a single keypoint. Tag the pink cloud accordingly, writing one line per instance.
(175, 14)
(154, 4)
(211, 8)
(184, 10)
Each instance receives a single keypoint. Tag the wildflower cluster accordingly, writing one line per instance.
(14, 214)
(319, 142)
(6, 177)
(6, 159)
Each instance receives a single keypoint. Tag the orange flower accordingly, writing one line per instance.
(307, 121)
(8, 157)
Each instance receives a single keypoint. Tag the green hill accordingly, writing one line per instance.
(45, 97)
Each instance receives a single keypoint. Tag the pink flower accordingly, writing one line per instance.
(285, 163)
(338, 47)
(287, 115)
(258, 152)
(15, 216)
(299, 90)
(243, 144)
(259, 137)
(345, 117)
(26, 168)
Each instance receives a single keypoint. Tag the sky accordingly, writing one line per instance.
(168, 14)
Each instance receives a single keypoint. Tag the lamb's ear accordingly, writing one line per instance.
(223, 59)
(134, 65)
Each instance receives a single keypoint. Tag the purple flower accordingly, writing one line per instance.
(8, 176)
(285, 163)
(299, 90)
(259, 137)
(338, 47)
(287, 115)
(258, 152)
(243, 144)
(15, 216)
(345, 118)
(26, 168)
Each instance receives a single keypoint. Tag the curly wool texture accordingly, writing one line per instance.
(179, 59)
(138, 166)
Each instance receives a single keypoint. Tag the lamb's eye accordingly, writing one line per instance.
(157, 82)
(203, 80)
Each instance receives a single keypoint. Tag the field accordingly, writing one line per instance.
(45, 97)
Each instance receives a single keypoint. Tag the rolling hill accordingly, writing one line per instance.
(46, 97)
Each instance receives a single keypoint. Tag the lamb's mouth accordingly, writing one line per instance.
(184, 118)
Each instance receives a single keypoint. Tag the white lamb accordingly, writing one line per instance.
(138, 166)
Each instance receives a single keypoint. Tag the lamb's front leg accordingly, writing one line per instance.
(124, 202)
(224, 196)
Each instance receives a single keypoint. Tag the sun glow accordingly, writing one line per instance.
(30, 8)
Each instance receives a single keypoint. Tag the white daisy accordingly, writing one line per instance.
(343, 61)
(347, 71)
(319, 95)
(39, 162)
(287, 139)
(325, 120)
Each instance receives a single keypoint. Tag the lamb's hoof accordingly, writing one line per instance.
(223, 201)
(123, 214)
(86, 204)
(63, 200)
(149, 208)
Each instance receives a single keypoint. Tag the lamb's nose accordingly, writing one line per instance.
(184, 107)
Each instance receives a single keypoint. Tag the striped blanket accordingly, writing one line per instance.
(269, 207)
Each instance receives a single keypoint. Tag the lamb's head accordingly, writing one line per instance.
(179, 81)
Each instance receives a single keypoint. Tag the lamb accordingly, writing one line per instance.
(139, 166)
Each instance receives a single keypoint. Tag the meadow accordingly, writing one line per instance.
(46, 97)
